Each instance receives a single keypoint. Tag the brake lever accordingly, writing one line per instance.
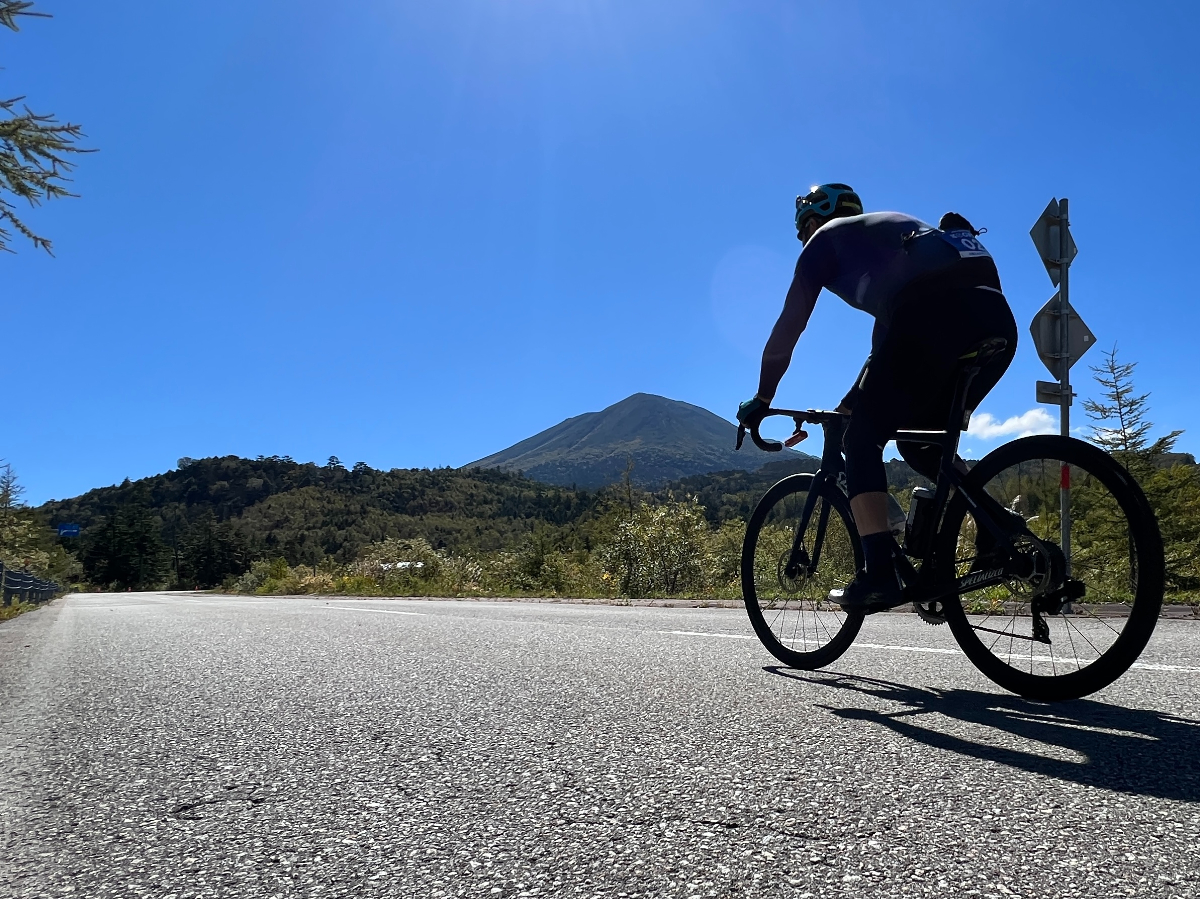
(741, 436)
(799, 436)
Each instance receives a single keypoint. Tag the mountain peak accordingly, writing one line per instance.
(665, 439)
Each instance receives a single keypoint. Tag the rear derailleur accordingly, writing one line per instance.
(1054, 602)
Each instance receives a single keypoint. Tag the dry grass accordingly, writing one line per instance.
(15, 609)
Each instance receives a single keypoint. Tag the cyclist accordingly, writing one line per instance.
(935, 294)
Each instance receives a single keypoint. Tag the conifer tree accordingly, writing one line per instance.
(126, 550)
(34, 149)
(1122, 426)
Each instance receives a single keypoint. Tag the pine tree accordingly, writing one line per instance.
(34, 149)
(211, 553)
(1122, 426)
(10, 492)
(126, 551)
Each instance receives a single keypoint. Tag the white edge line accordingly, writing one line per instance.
(379, 611)
(1150, 666)
(702, 634)
(1144, 666)
(942, 652)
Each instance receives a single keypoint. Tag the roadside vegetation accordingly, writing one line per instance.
(26, 541)
(28, 544)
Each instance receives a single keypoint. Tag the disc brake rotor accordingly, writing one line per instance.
(790, 583)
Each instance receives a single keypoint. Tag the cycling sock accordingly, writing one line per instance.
(877, 552)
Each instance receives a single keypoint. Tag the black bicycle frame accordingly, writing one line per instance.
(919, 583)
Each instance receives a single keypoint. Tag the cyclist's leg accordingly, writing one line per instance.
(869, 429)
(910, 380)
(873, 421)
(935, 330)
(952, 323)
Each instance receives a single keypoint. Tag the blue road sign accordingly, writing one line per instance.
(68, 530)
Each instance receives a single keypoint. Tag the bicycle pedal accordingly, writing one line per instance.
(874, 607)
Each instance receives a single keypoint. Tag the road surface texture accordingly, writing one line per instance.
(175, 746)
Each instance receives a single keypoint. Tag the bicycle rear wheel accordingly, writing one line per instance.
(1079, 646)
(785, 595)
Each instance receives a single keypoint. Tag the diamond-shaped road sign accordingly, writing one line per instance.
(1047, 237)
(1044, 329)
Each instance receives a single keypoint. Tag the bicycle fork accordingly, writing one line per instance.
(798, 558)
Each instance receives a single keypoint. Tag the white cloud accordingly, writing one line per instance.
(986, 426)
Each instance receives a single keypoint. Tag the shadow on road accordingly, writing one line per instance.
(1128, 750)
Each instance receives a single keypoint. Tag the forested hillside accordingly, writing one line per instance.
(213, 516)
(209, 519)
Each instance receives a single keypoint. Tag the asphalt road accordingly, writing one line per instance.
(182, 746)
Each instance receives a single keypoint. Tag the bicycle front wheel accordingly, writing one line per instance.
(1025, 634)
(789, 565)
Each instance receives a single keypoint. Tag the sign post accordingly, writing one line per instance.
(1060, 336)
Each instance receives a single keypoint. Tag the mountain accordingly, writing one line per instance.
(666, 440)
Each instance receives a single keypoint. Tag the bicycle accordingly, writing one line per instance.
(983, 552)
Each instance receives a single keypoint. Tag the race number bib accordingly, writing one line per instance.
(966, 243)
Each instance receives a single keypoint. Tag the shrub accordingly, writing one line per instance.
(402, 561)
(659, 550)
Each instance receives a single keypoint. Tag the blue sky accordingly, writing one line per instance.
(413, 233)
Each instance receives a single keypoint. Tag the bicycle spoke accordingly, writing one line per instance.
(1074, 651)
(1095, 617)
(1110, 537)
(1086, 639)
(791, 597)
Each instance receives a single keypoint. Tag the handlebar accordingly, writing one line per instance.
(812, 416)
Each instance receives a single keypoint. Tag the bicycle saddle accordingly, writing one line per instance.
(983, 352)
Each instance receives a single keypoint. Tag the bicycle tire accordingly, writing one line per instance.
(1140, 574)
(771, 597)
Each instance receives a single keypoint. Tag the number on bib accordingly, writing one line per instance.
(966, 243)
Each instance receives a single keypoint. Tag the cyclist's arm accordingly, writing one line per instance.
(812, 273)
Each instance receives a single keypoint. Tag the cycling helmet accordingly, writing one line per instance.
(826, 201)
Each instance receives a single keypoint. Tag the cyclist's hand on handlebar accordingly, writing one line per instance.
(751, 412)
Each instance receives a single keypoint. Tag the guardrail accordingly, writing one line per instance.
(25, 587)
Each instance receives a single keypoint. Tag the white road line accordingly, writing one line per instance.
(1149, 666)
(1145, 666)
(380, 611)
(234, 602)
(855, 646)
(944, 652)
(701, 634)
